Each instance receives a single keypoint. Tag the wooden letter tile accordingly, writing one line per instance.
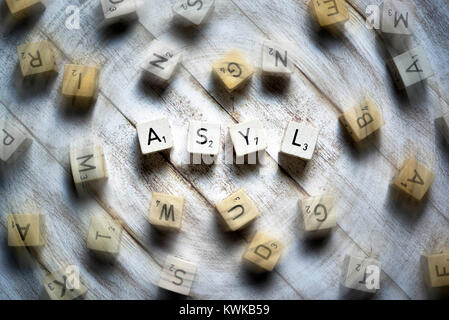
(318, 213)
(24, 8)
(193, 12)
(64, 284)
(362, 120)
(104, 235)
(80, 81)
(396, 18)
(12, 142)
(119, 10)
(414, 179)
(299, 140)
(36, 58)
(276, 60)
(177, 275)
(362, 274)
(248, 137)
(263, 252)
(436, 268)
(166, 211)
(88, 164)
(162, 61)
(26, 230)
(233, 70)
(154, 136)
(410, 67)
(237, 211)
(330, 12)
(203, 138)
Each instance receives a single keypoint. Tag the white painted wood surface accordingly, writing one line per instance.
(333, 72)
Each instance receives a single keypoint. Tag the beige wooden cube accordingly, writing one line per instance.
(104, 235)
(299, 140)
(166, 211)
(36, 58)
(64, 284)
(318, 213)
(436, 269)
(154, 136)
(362, 120)
(331, 12)
(414, 179)
(397, 18)
(80, 81)
(12, 142)
(248, 137)
(233, 70)
(24, 8)
(237, 211)
(361, 274)
(177, 275)
(263, 252)
(119, 10)
(193, 12)
(26, 230)
(87, 164)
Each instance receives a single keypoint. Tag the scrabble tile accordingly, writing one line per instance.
(436, 269)
(362, 274)
(443, 123)
(154, 136)
(263, 252)
(276, 59)
(330, 12)
(80, 81)
(64, 284)
(299, 140)
(162, 61)
(166, 211)
(396, 18)
(24, 8)
(410, 67)
(36, 58)
(177, 275)
(12, 142)
(119, 10)
(233, 70)
(248, 137)
(362, 120)
(104, 235)
(318, 213)
(237, 211)
(203, 138)
(414, 179)
(26, 230)
(193, 12)
(88, 164)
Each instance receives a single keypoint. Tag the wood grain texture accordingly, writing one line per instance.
(333, 72)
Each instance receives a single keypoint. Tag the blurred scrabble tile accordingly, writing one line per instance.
(80, 81)
(248, 137)
(362, 120)
(119, 10)
(162, 61)
(193, 12)
(443, 124)
(263, 252)
(237, 211)
(397, 18)
(154, 136)
(362, 274)
(104, 235)
(436, 269)
(276, 59)
(26, 230)
(36, 58)
(330, 12)
(12, 142)
(203, 138)
(318, 213)
(166, 211)
(410, 68)
(88, 164)
(64, 284)
(177, 275)
(414, 179)
(299, 140)
(233, 70)
(24, 8)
